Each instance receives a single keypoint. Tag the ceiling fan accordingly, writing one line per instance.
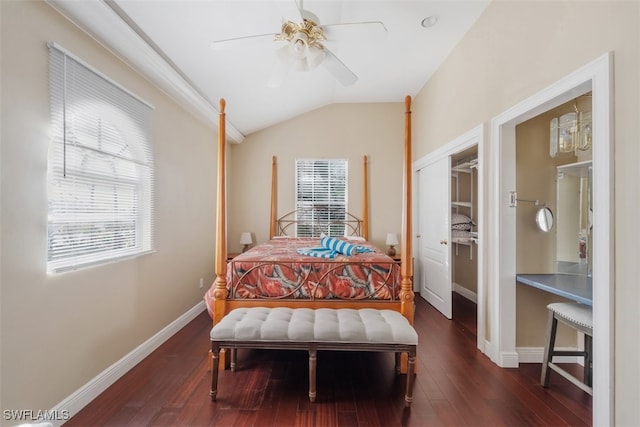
(304, 46)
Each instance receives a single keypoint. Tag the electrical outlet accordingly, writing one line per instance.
(201, 283)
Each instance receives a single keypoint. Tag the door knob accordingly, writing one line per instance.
(443, 242)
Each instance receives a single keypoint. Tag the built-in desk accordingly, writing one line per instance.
(572, 286)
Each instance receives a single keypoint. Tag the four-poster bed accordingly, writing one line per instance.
(269, 275)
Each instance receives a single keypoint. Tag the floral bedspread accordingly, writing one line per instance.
(274, 270)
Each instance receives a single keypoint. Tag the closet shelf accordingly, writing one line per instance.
(466, 166)
(464, 169)
(462, 204)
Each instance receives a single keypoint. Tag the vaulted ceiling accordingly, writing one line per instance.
(170, 41)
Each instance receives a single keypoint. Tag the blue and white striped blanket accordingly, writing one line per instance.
(332, 247)
(318, 252)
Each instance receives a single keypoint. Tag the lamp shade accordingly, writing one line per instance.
(245, 238)
(392, 239)
(315, 55)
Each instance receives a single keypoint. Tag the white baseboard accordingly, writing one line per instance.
(508, 359)
(536, 354)
(85, 394)
(470, 295)
(483, 347)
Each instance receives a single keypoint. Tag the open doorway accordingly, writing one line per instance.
(464, 238)
(449, 257)
(595, 77)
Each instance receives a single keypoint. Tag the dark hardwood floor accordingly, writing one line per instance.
(455, 386)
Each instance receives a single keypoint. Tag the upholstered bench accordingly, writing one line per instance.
(312, 330)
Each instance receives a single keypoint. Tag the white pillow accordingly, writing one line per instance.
(461, 222)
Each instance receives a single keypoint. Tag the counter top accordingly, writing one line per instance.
(572, 286)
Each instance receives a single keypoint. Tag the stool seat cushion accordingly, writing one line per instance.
(574, 312)
(315, 325)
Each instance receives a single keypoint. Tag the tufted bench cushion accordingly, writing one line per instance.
(364, 329)
(320, 325)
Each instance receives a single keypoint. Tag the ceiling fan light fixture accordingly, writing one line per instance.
(298, 47)
(316, 55)
(304, 50)
(282, 54)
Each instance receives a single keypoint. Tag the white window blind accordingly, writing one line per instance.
(321, 197)
(100, 171)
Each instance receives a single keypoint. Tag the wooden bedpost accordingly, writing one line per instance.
(273, 219)
(365, 201)
(406, 255)
(220, 292)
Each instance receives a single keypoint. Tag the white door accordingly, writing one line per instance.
(434, 213)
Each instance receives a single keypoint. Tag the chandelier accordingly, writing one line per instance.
(571, 133)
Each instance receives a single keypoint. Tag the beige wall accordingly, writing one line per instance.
(515, 50)
(60, 331)
(337, 131)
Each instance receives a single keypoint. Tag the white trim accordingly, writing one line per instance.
(462, 142)
(536, 355)
(468, 139)
(468, 294)
(596, 76)
(85, 394)
(100, 21)
(530, 354)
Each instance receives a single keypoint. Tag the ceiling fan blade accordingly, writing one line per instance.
(290, 10)
(341, 72)
(240, 41)
(366, 30)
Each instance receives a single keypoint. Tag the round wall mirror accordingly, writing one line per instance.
(544, 219)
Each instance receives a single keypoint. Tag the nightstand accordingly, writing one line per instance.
(232, 256)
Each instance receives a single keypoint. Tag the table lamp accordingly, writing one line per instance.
(392, 240)
(246, 240)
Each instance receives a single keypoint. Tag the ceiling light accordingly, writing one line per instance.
(571, 133)
(298, 46)
(316, 55)
(429, 21)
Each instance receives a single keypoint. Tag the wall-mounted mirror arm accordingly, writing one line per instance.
(513, 200)
(544, 216)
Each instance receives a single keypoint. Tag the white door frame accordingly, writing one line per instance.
(597, 77)
(473, 137)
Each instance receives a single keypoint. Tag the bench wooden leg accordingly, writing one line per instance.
(221, 359)
(215, 353)
(411, 362)
(313, 362)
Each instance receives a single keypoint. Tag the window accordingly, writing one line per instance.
(321, 197)
(100, 169)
